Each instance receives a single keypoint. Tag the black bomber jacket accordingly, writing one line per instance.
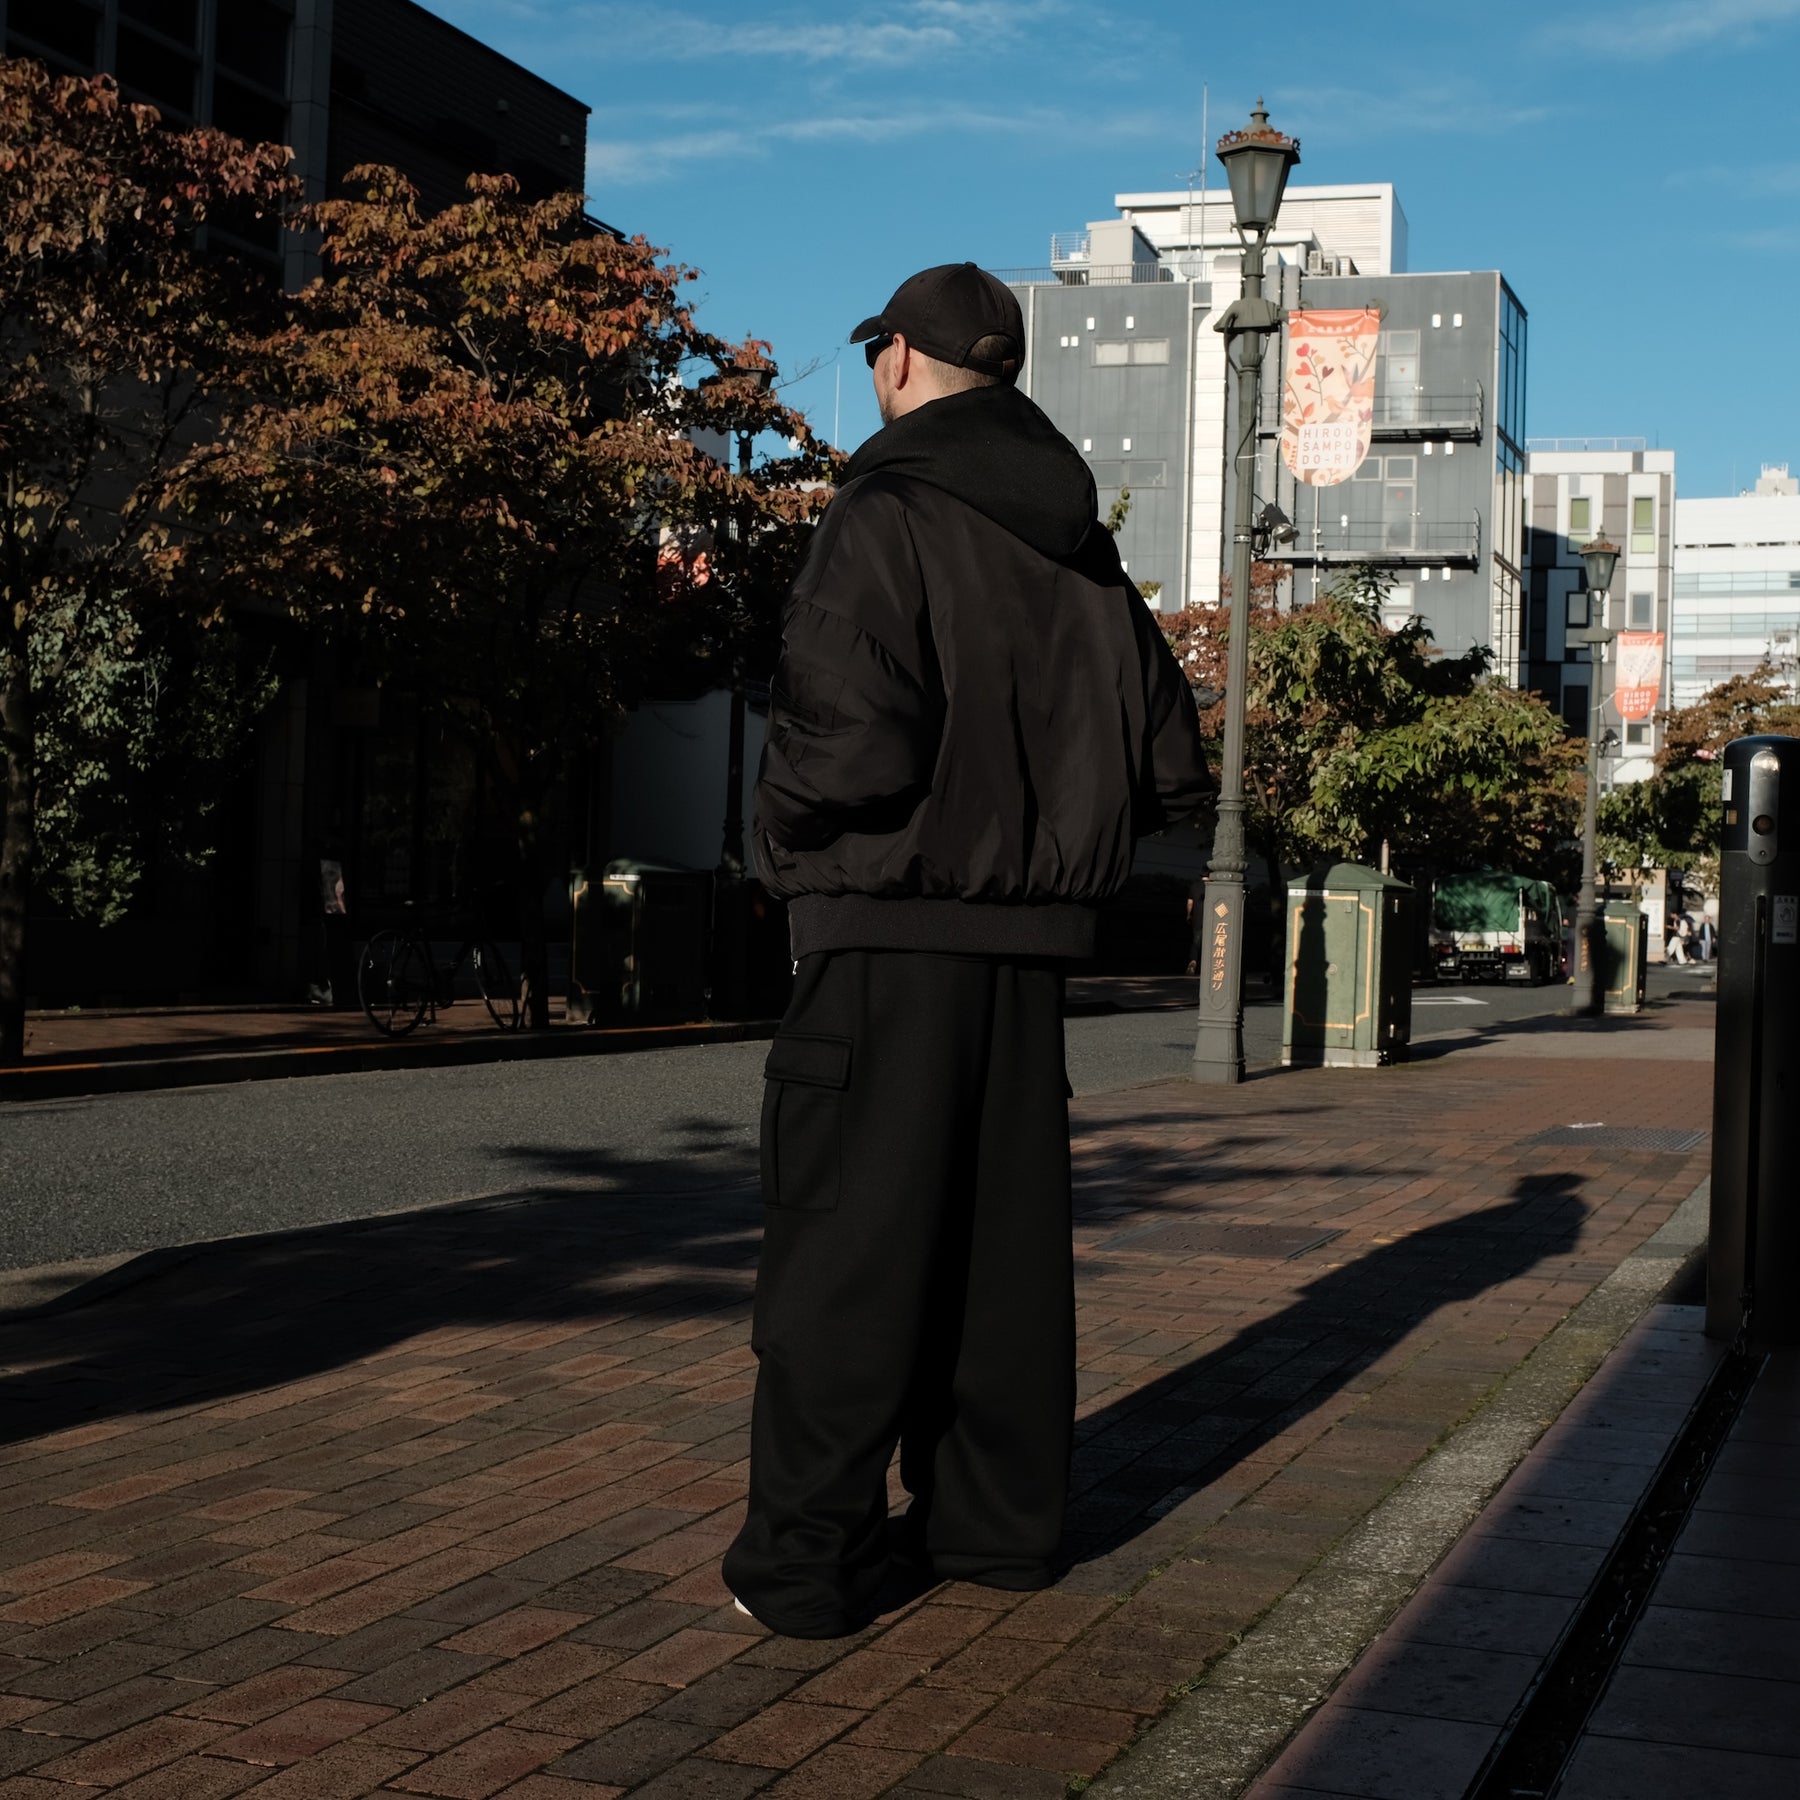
(975, 713)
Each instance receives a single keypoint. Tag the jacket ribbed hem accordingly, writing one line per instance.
(948, 927)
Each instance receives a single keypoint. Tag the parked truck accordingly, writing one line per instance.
(1489, 925)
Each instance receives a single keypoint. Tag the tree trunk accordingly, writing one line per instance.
(18, 848)
(534, 947)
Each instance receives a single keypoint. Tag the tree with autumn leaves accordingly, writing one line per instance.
(462, 452)
(113, 333)
(1672, 820)
(457, 454)
(1359, 735)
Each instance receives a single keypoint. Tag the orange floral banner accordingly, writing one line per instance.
(1328, 399)
(1637, 679)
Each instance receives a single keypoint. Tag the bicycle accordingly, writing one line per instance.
(399, 980)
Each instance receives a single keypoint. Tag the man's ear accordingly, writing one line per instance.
(899, 362)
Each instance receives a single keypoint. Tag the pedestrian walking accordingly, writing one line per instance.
(1703, 938)
(1676, 948)
(973, 716)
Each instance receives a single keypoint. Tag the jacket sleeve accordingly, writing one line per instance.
(856, 706)
(1174, 781)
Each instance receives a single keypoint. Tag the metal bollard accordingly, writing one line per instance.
(1753, 1266)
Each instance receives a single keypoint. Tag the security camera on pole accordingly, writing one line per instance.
(1257, 160)
(1601, 558)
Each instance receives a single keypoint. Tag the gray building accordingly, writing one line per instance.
(1438, 504)
(1123, 355)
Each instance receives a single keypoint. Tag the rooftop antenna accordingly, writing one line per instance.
(1187, 217)
(1204, 144)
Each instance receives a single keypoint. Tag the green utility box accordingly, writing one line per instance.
(638, 953)
(1625, 960)
(1349, 957)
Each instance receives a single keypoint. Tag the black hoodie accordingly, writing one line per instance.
(975, 713)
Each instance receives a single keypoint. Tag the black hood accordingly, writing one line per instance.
(995, 450)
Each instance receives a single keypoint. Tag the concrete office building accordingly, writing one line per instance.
(341, 81)
(1123, 355)
(1580, 489)
(1737, 585)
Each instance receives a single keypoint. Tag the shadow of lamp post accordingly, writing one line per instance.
(730, 900)
(1601, 558)
(1257, 160)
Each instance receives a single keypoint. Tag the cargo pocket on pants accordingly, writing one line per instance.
(803, 1122)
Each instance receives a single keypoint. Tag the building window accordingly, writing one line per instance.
(1637, 734)
(69, 29)
(159, 73)
(1578, 608)
(253, 40)
(1581, 518)
(1575, 708)
(1146, 474)
(1643, 612)
(1397, 369)
(1116, 353)
(175, 19)
(1643, 525)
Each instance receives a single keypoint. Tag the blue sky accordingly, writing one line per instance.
(1634, 169)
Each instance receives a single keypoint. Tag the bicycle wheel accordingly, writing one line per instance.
(393, 981)
(500, 988)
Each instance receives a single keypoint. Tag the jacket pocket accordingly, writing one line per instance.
(803, 1122)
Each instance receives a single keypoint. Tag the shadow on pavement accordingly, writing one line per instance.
(1139, 1457)
(260, 1312)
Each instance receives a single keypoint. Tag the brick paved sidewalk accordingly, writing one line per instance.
(138, 1034)
(434, 1505)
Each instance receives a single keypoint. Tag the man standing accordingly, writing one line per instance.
(974, 715)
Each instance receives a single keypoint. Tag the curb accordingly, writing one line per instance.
(1215, 1740)
(62, 1081)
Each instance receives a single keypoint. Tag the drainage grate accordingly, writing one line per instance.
(1277, 1242)
(1622, 1137)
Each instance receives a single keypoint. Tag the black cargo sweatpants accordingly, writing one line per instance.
(916, 1284)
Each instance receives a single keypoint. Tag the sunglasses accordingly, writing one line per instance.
(873, 348)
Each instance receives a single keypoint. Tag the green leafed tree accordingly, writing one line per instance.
(111, 329)
(475, 453)
(1358, 735)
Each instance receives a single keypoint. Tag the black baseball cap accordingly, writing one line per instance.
(947, 311)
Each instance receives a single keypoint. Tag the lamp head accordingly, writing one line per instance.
(1257, 160)
(1601, 559)
(1273, 526)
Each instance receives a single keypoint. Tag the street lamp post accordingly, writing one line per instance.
(1601, 558)
(1257, 160)
(730, 912)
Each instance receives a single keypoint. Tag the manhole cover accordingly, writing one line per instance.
(1276, 1242)
(1622, 1137)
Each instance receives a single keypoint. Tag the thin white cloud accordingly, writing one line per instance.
(1779, 240)
(1649, 33)
(1352, 115)
(898, 34)
(634, 161)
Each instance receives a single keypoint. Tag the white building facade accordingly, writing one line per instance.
(1579, 490)
(1737, 585)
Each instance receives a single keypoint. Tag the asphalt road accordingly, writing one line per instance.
(125, 1172)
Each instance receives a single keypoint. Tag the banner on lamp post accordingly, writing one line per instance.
(1637, 680)
(1328, 398)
